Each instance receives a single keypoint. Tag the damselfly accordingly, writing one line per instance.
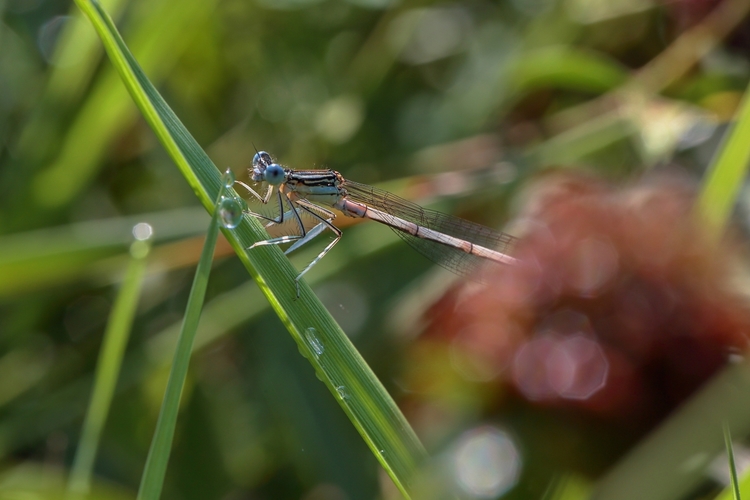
(454, 243)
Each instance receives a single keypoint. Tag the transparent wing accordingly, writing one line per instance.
(446, 256)
(290, 226)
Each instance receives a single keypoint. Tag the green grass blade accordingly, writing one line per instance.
(742, 491)
(335, 360)
(161, 444)
(108, 367)
(729, 168)
(732, 468)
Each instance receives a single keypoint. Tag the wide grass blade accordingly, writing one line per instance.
(319, 338)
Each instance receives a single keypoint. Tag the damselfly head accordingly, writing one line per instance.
(261, 161)
(264, 169)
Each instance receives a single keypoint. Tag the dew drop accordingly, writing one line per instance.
(230, 212)
(143, 231)
(228, 178)
(342, 392)
(315, 343)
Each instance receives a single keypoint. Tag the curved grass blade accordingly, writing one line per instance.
(319, 338)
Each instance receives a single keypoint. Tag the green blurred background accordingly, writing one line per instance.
(454, 105)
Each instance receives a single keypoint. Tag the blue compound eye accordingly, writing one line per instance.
(261, 158)
(274, 174)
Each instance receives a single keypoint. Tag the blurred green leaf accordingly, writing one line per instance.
(108, 367)
(569, 487)
(41, 481)
(107, 110)
(727, 172)
(56, 255)
(567, 67)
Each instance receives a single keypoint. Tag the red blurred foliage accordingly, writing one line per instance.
(619, 294)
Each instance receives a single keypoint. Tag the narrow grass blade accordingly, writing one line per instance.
(336, 361)
(727, 172)
(108, 367)
(161, 444)
(732, 467)
(742, 490)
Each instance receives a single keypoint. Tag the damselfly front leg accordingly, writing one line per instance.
(264, 200)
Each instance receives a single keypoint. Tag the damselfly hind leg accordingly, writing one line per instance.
(326, 224)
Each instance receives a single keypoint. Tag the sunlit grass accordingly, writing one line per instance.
(336, 361)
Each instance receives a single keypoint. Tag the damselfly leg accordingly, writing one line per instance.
(324, 218)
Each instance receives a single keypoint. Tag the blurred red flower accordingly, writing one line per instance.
(620, 308)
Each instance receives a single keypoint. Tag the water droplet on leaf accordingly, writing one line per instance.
(228, 178)
(342, 392)
(230, 212)
(143, 231)
(315, 343)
